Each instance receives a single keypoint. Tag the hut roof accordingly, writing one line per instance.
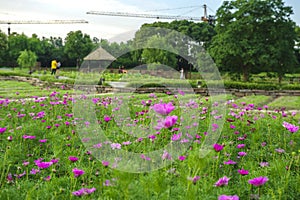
(99, 54)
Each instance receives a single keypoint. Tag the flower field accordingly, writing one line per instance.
(151, 146)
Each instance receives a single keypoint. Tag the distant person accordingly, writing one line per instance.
(181, 73)
(53, 67)
(57, 69)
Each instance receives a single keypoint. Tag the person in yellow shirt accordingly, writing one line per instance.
(53, 67)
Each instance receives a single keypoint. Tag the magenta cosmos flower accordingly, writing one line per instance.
(258, 181)
(163, 108)
(243, 172)
(170, 121)
(222, 181)
(290, 127)
(43, 165)
(2, 130)
(225, 197)
(107, 118)
(78, 172)
(218, 147)
(73, 158)
(84, 191)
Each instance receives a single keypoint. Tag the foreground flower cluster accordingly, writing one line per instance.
(46, 149)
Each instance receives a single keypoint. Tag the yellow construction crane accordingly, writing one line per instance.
(204, 18)
(9, 22)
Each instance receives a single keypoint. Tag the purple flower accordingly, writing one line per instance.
(239, 146)
(107, 118)
(290, 127)
(77, 172)
(243, 172)
(73, 158)
(43, 165)
(258, 181)
(229, 162)
(222, 181)
(115, 146)
(170, 121)
(166, 155)
(31, 137)
(2, 130)
(176, 137)
(163, 109)
(264, 164)
(225, 197)
(218, 147)
(242, 153)
(47, 178)
(182, 158)
(34, 171)
(105, 163)
(43, 140)
(194, 179)
(280, 150)
(84, 191)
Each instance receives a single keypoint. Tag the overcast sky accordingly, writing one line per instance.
(106, 27)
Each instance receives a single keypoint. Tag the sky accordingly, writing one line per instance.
(103, 27)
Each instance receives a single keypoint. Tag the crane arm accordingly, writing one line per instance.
(43, 22)
(125, 14)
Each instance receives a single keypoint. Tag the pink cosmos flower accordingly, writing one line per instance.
(43, 165)
(290, 127)
(225, 197)
(264, 164)
(73, 158)
(182, 158)
(107, 118)
(163, 108)
(48, 178)
(229, 162)
(239, 146)
(166, 155)
(115, 146)
(243, 172)
(2, 130)
(43, 140)
(84, 191)
(194, 179)
(222, 181)
(105, 163)
(31, 137)
(218, 147)
(170, 121)
(34, 171)
(77, 172)
(176, 137)
(258, 181)
(242, 153)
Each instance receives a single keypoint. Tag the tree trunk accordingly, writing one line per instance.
(245, 73)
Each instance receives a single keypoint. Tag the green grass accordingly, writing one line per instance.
(288, 102)
(257, 100)
(15, 89)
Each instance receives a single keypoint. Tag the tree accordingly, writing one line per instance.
(16, 44)
(27, 59)
(254, 35)
(3, 47)
(78, 45)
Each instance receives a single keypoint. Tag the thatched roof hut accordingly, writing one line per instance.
(98, 60)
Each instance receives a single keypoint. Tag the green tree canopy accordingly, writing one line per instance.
(3, 47)
(27, 59)
(254, 35)
(78, 45)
